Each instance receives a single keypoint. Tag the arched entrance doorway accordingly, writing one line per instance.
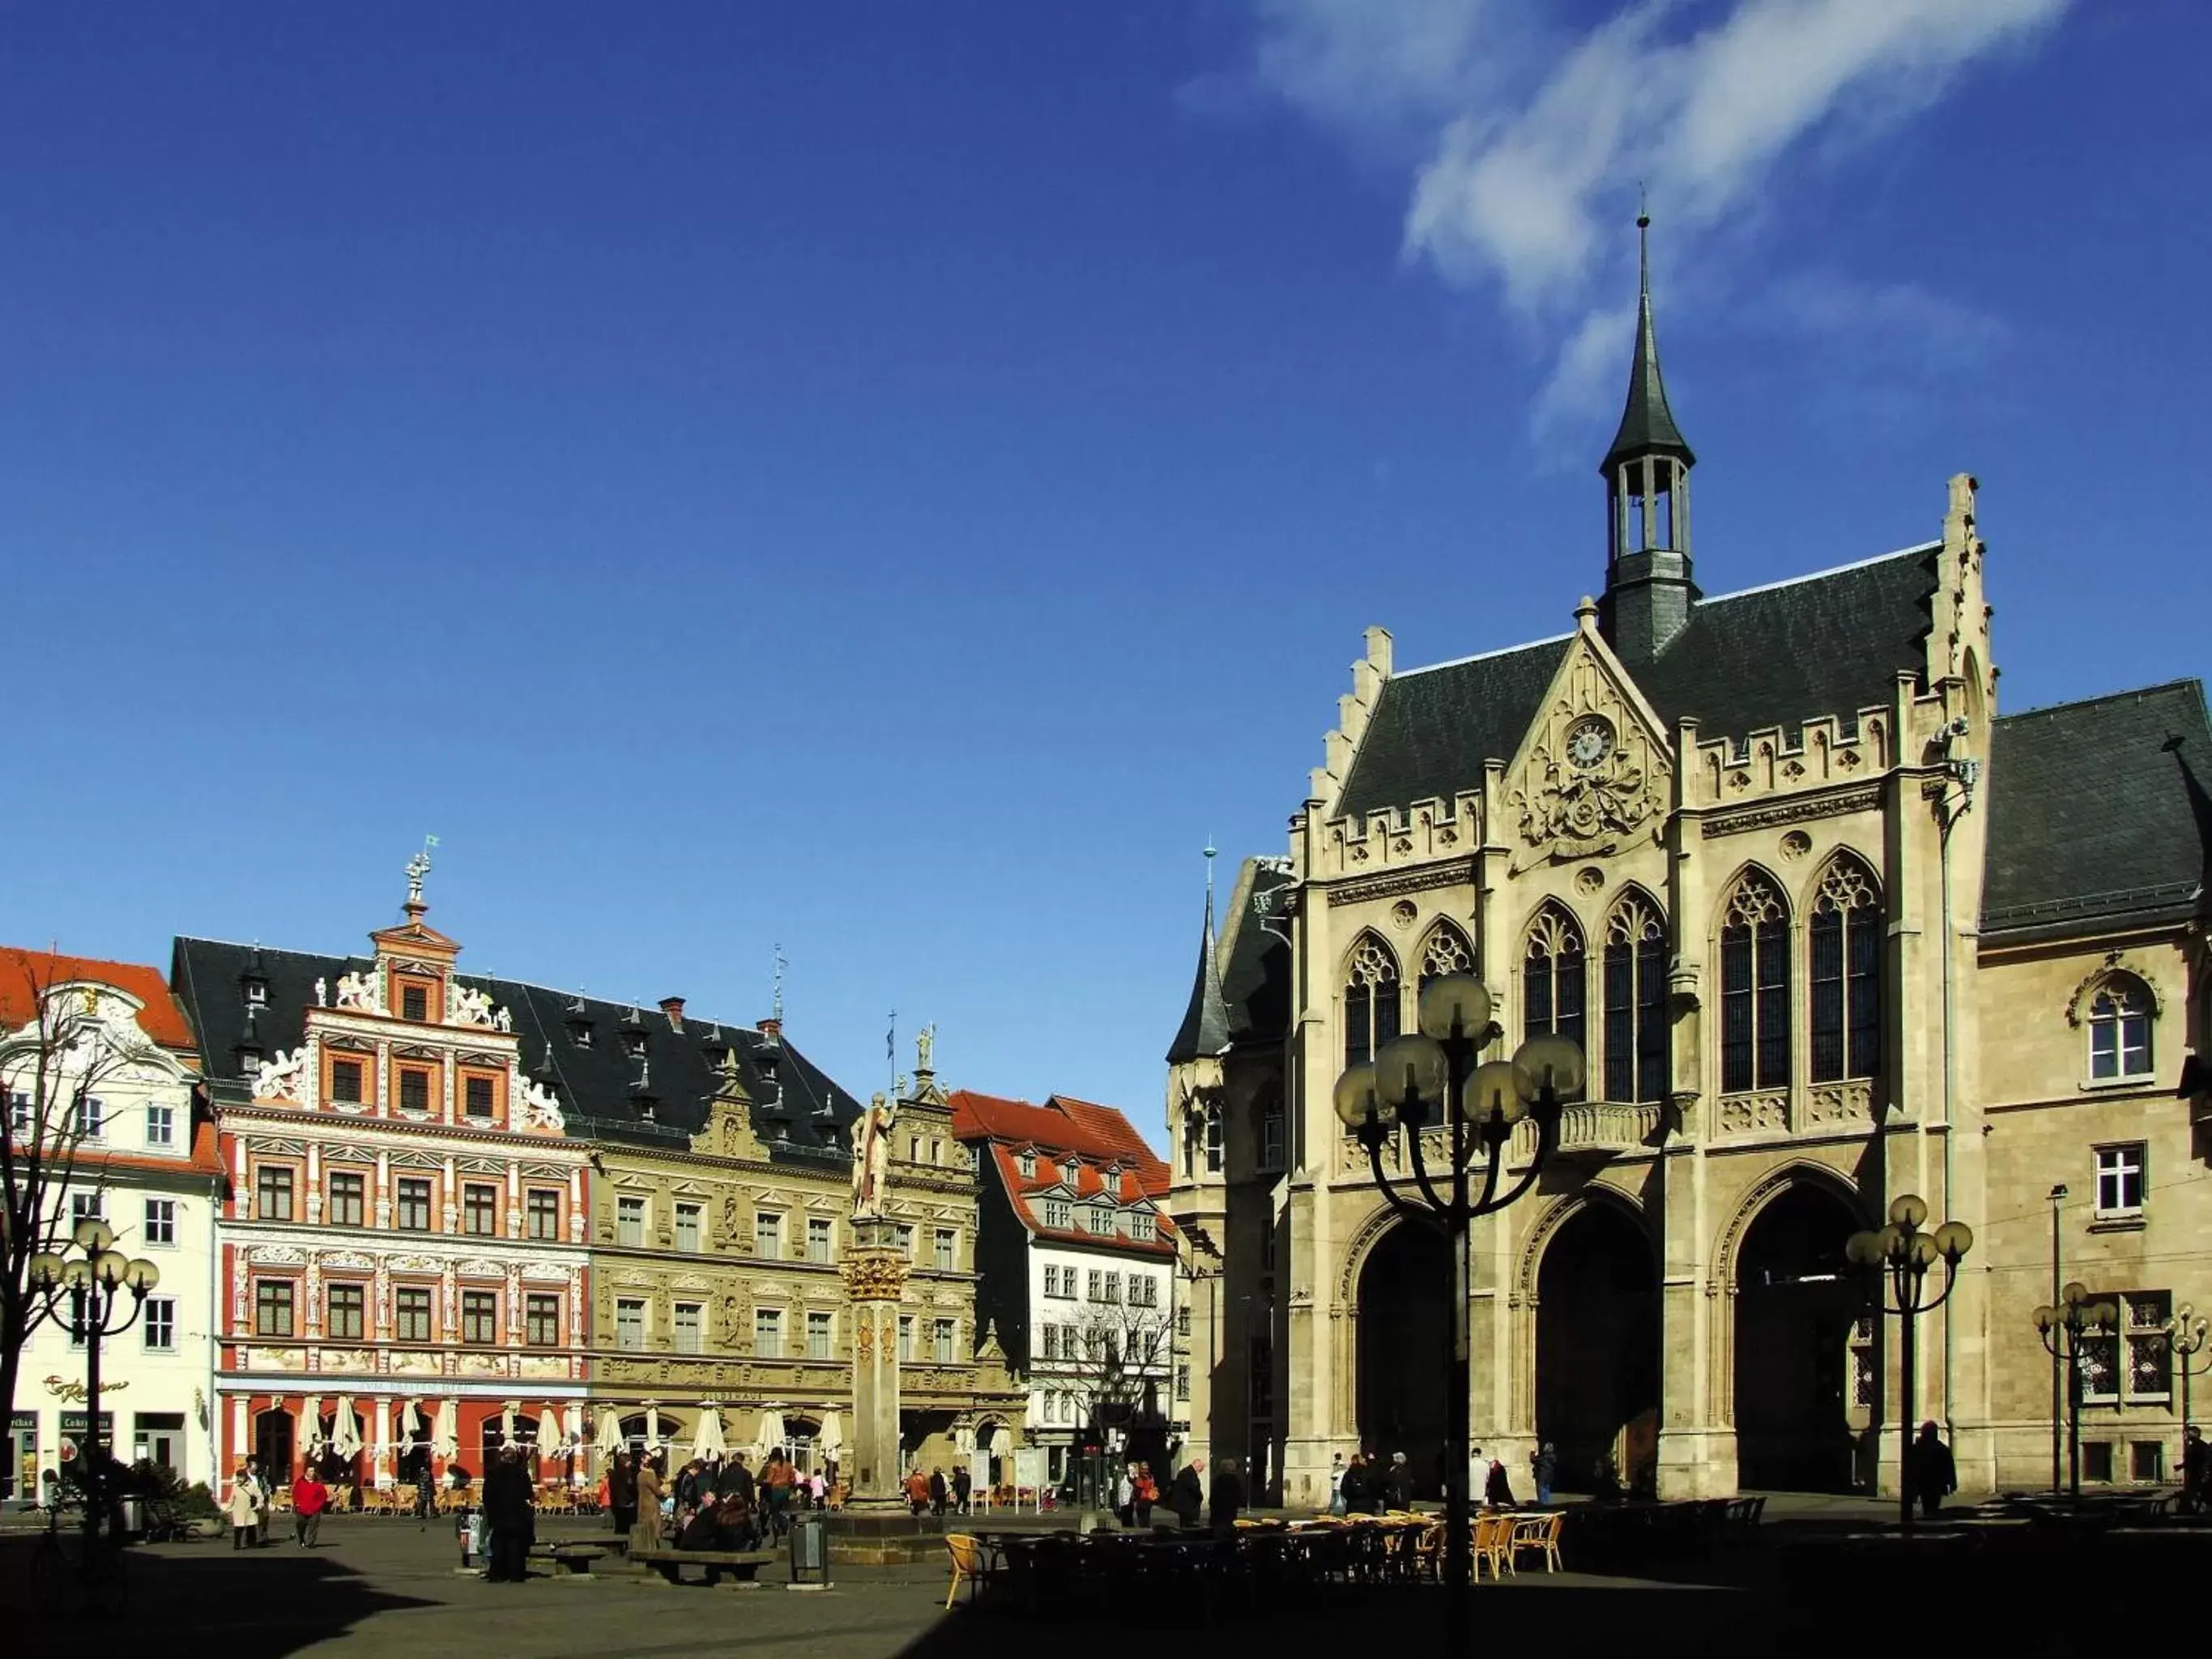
(1405, 1338)
(1597, 1350)
(272, 1442)
(1796, 1305)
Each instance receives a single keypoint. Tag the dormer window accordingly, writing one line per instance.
(1071, 1172)
(415, 1004)
(633, 1044)
(257, 994)
(1027, 1164)
(249, 1063)
(579, 1033)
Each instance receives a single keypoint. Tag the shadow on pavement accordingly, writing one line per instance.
(208, 1598)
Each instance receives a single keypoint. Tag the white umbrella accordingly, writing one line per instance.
(608, 1438)
(446, 1437)
(1002, 1441)
(771, 1436)
(411, 1409)
(310, 1422)
(652, 1428)
(506, 1423)
(831, 1441)
(707, 1441)
(346, 1438)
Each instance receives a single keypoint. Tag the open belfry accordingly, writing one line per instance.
(1828, 928)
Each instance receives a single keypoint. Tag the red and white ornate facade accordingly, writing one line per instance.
(402, 1253)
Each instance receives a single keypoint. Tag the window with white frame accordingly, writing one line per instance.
(1217, 1132)
(817, 1239)
(2121, 1179)
(88, 1207)
(1271, 1133)
(819, 1334)
(1113, 1287)
(160, 1221)
(1056, 1213)
(686, 1325)
(1182, 1379)
(942, 1336)
(948, 1248)
(1071, 1172)
(630, 1221)
(2119, 1029)
(1095, 1284)
(767, 1332)
(1049, 1337)
(687, 1227)
(1142, 1226)
(91, 1117)
(2132, 1363)
(160, 1126)
(160, 1324)
(629, 1324)
(1102, 1221)
(1144, 1291)
(902, 1236)
(767, 1234)
(905, 1338)
(1027, 1164)
(19, 1115)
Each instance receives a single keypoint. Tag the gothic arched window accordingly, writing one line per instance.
(1754, 986)
(1370, 1000)
(1846, 973)
(2120, 1029)
(1553, 995)
(1636, 1048)
(1445, 951)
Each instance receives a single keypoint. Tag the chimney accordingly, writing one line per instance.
(673, 1007)
(772, 1028)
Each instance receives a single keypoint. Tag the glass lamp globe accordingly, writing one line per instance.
(140, 1275)
(1862, 1249)
(94, 1235)
(1552, 1062)
(1455, 1005)
(76, 1273)
(46, 1270)
(1908, 1211)
(1498, 1087)
(1411, 1064)
(1954, 1239)
(1355, 1097)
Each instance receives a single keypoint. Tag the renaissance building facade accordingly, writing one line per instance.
(1829, 930)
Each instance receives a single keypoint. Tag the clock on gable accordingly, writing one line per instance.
(1589, 740)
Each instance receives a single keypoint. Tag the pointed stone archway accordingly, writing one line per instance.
(1796, 1306)
(1405, 1336)
(1597, 1348)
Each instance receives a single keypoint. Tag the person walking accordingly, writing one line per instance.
(1125, 1495)
(1543, 1465)
(622, 1493)
(1398, 1483)
(1352, 1488)
(1186, 1497)
(737, 1482)
(1336, 1474)
(1147, 1493)
(778, 1477)
(245, 1508)
(1497, 1491)
(645, 1527)
(937, 1493)
(1929, 1473)
(1225, 1498)
(964, 1485)
(2196, 1469)
(310, 1497)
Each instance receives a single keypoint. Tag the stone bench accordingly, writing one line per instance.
(744, 1566)
(568, 1559)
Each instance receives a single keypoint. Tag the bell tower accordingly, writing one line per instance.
(1648, 588)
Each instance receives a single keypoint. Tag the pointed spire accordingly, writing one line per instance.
(1204, 1032)
(1647, 425)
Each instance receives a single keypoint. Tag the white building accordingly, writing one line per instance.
(140, 1152)
(1077, 1265)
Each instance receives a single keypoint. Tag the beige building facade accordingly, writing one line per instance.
(1828, 930)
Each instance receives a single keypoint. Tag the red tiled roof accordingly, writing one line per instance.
(1097, 1136)
(25, 973)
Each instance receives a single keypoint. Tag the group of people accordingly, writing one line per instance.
(1134, 1494)
(713, 1503)
(1365, 1485)
(934, 1494)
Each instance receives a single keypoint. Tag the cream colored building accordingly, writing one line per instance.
(1829, 931)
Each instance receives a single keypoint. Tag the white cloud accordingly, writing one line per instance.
(1527, 141)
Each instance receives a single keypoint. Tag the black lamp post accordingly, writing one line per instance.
(1429, 1076)
(2184, 1339)
(94, 1285)
(2064, 1329)
(1907, 1254)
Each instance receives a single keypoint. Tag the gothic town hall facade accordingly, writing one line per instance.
(1829, 929)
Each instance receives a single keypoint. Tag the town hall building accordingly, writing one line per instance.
(1828, 930)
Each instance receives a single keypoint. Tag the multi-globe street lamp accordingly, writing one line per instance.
(87, 1293)
(1429, 1077)
(1906, 1254)
(2065, 1329)
(2184, 1339)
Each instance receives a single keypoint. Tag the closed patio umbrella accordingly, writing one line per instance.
(506, 1423)
(651, 1429)
(446, 1437)
(310, 1424)
(346, 1438)
(409, 1411)
(707, 1441)
(1002, 1441)
(831, 1440)
(771, 1436)
(608, 1438)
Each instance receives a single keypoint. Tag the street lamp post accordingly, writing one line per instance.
(1429, 1076)
(93, 1283)
(2184, 1339)
(2063, 1329)
(1907, 1254)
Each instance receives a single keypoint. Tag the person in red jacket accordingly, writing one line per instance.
(310, 1497)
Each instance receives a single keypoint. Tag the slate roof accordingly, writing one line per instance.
(2098, 813)
(1831, 643)
(799, 1113)
(24, 974)
(1205, 1030)
(1255, 976)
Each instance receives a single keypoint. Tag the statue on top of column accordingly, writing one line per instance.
(871, 1157)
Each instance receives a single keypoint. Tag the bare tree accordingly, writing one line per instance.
(52, 1070)
(1116, 1352)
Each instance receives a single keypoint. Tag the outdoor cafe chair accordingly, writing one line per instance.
(967, 1567)
(1493, 1536)
(1540, 1533)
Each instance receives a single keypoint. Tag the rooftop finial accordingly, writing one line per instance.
(775, 1002)
(1210, 855)
(417, 867)
(1643, 244)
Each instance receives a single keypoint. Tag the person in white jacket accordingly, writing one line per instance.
(246, 1506)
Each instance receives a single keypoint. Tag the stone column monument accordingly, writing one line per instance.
(875, 1271)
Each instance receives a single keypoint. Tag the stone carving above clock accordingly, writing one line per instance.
(1592, 778)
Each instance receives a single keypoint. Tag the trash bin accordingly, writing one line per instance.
(134, 1517)
(810, 1549)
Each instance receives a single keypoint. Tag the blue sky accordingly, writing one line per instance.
(893, 480)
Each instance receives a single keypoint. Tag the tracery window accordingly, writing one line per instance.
(1445, 951)
(1754, 986)
(1370, 1000)
(1846, 974)
(2120, 1029)
(1636, 1048)
(1555, 990)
